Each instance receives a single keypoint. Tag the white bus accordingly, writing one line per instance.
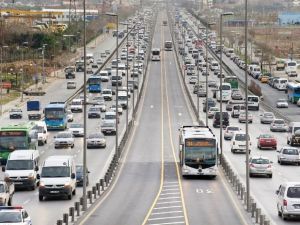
(155, 54)
(198, 150)
(226, 92)
(168, 45)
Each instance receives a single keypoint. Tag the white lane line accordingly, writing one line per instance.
(166, 223)
(151, 106)
(168, 207)
(159, 213)
(176, 185)
(168, 198)
(160, 203)
(166, 218)
(171, 193)
(170, 189)
(171, 182)
(26, 202)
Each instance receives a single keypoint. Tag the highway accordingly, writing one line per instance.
(149, 188)
(261, 188)
(47, 212)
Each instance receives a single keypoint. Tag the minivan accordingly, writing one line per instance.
(42, 132)
(293, 137)
(22, 167)
(58, 177)
(225, 119)
(288, 200)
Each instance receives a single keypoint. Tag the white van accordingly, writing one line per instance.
(226, 92)
(214, 66)
(253, 102)
(288, 200)
(42, 132)
(22, 167)
(123, 98)
(58, 177)
(280, 83)
(76, 105)
(291, 68)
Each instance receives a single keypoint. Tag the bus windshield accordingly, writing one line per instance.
(13, 140)
(199, 150)
(94, 81)
(226, 87)
(156, 52)
(54, 113)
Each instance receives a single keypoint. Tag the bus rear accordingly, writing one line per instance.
(155, 54)
(94, 84)
(56, 116)
(168, 45)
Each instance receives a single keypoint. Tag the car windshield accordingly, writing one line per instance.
(290, 151)
(252, 99)
(266, 136)
(233, 128)
(94, 109)
(76, 125)
(64, 135)
(260, 161)
(293, 192)
(279, 122)
(19, 165)
(269, 115)
(109, 117)
(96, 135)
(281, 100)
(106, 92)
(55, 171)
(10, 217)
(240, 137)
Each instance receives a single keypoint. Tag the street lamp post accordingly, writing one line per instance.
(246, 102)
(43, 65)
(221, 76)
(117, 83)
(198, 80)
(133, 94)
(1, 81)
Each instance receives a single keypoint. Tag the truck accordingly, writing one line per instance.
(79, 66)
(34, 92)
(33, 109)
(7, 190)
(70, 72)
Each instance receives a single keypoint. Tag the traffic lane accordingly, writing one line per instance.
(203, 195)
(138, 182)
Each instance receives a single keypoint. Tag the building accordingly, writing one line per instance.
(289, 18)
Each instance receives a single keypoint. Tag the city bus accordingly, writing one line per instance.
(233, 81)
(94, 84)
(226, 92)
(198, 151)
(22, 136)
(155, 54)
(168, 45)
(293, 92)
(56, 116)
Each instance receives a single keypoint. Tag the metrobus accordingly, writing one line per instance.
(94, 84)
(233, 81)
(168, 45)
(226, 92)
(56, 116)
(155, 54)
(198, 151)
(22, 136)
(293, 92)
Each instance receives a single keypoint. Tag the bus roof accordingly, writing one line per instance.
(196, 132)
(55, 105)
(21, 126)
(293, 85)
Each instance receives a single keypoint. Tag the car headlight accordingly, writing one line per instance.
(42, 184)
(31, 176)
(67, 185)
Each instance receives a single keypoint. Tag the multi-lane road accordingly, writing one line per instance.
(149, 188)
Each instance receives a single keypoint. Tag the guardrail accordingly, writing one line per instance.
(256, 213)
(99, 189)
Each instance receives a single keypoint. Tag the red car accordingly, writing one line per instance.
(266, 141)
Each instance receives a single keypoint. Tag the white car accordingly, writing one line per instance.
(76, 129)
(282, 103)
(107, 94)
(229, 132)
(193, 80)
(242, 117)
(238, 142)
(76, 105)
(278, 125)
(259, 165)
(99, 62)
(288, 155)
(211, 112)
(14, 215)
(120, 109)
(96, 140)
(104, 76)
(70, 116)
(64, 139)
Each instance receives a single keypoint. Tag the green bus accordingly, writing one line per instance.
(233, 80)
(22, 136)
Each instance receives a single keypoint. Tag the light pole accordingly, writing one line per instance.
(198, 81)
(133, 78)
(221, 79)
(1, 81)
(246, 102)
(117, 83)
(43, 66)
(84, 196)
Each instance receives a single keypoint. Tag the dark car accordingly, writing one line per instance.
(79, 175)
(210, 103)
(225, 119)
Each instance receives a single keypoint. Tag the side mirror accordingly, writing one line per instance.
(277, 192)
(38, 176)
(3, 168)
(73, 176)
(44, 132)
(36, 168)
(88, 171)
(277, 150)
